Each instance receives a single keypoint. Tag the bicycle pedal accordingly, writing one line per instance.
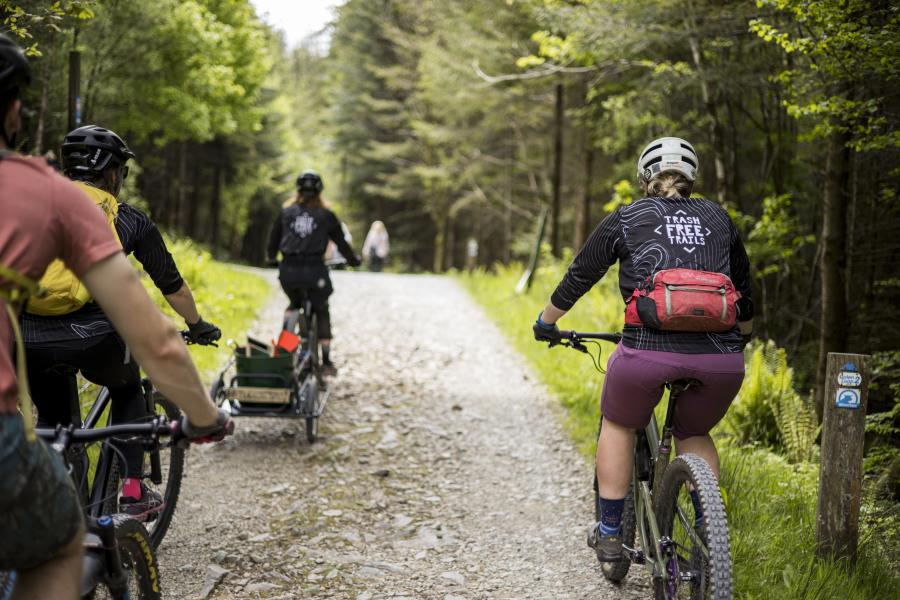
(636, 556)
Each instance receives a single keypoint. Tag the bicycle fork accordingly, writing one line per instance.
(102, 562)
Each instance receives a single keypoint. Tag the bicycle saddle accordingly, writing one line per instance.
(683, 384)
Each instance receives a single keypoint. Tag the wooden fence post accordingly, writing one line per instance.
(840, 468)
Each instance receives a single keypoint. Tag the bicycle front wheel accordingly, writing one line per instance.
(698, 563)
(166, 469)
(138, 562)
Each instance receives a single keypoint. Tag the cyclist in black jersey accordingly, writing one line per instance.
(301, 233)
(85, 340)
(667, 229)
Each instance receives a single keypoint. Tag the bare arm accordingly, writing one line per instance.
(552, 314)
(152, 337)
(183, 303)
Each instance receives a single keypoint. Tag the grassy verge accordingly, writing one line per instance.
(770, 503)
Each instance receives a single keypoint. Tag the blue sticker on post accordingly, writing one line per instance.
(849, 367)
(847, 398)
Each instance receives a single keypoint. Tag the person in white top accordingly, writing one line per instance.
(377, 246)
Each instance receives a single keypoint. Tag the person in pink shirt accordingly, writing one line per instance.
(44, 216)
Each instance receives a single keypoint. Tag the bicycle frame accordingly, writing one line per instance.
(95, 494)
(659, 449)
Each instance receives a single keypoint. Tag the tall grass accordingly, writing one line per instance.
(770, 501)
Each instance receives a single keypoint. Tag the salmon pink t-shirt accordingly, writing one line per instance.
(43, 216)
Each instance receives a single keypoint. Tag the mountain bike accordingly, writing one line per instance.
(685, 560)
(120, 562)
(97, 471)
(308, 366)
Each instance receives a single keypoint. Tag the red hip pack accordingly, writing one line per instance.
(684, 300)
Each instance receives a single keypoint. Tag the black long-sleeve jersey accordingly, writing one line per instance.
(302, 232)
(653, 234)
(139, 236)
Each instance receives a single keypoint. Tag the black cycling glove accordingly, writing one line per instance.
(353, 260)
(545, 332)
(203, 332)
(223, 427)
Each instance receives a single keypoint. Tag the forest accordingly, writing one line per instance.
(461, 120)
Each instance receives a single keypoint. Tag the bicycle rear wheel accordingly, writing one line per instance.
(310, 401)
(162, 472)
(699, 564)
(138, 562)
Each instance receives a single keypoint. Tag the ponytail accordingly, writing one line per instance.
(669, 184)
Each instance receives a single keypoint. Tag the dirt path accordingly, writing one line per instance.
(442, 472)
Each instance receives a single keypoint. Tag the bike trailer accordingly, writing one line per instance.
(261, 378)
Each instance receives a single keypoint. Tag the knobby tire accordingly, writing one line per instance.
(172, 477)
(690, 469)
(138, 560)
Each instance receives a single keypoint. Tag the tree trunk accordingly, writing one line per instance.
(216, 205)
(440, 241)
(557, 172)
(45, 96)
(583, 212)
(834, 325)
(450, 243)
(716, 133)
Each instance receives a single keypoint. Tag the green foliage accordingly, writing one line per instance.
(771, 507)
(22, 17)
(882, 460)
(768, 411)
(844, 45)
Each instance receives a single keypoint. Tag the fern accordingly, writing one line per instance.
(768, 411)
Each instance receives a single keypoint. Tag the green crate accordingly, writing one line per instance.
(260, 363)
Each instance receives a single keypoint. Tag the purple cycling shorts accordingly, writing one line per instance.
(635, 379)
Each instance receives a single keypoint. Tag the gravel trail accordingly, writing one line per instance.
(442, 471)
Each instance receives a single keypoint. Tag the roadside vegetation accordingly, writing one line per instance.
(767, 442)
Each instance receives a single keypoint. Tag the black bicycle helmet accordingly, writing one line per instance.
(90, 149)
(309, 182)
(14, 69)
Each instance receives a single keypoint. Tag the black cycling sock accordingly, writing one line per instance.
(326, 354)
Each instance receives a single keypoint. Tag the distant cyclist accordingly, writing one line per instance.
(665, 230)
(44, 216)
(60, 342)
(301, 233)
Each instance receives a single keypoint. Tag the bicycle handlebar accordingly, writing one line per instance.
(576, 336)
(189, 339)
(61, 438)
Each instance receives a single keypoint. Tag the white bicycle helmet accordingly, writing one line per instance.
(668, 154)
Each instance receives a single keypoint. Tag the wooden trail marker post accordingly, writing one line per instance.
(840, 468)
